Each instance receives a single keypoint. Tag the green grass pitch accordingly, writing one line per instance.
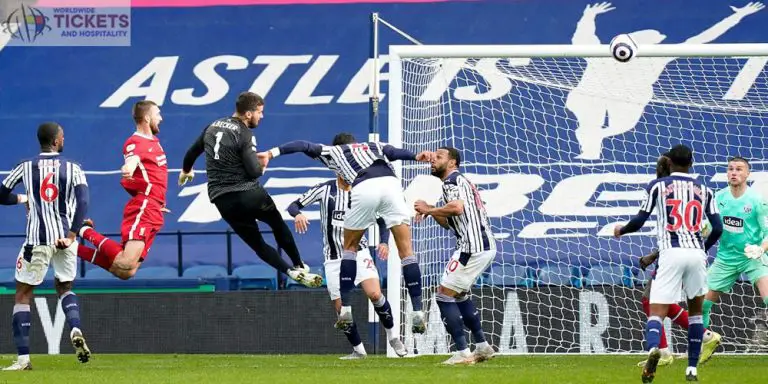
(221, 369)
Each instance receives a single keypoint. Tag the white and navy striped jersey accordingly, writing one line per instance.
(334, 202)
(472, 228)
(50, 181)
(353, 162)
(680, 203)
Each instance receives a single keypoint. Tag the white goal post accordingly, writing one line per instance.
(561, 141)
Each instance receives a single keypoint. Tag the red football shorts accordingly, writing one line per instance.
(142, 220)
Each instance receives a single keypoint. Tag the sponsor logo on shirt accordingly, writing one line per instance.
(733, 224)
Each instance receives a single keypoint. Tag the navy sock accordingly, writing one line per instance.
(71, 309)
(451, 315)
(471, 319)
(352, 335)
(347, 276)
(22, 321)
(384, 310)
(695, 334)
(653, 332)
(412, 278)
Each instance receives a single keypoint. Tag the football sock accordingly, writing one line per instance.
(22, 321)
(352, 335)
(384, 310)
(678, 315)
(653, 332)
(71, 309)
(707, 312)
(471, 320)
(695, 334)
(412, 278)
(451, 316)
(663, 336)
(347, 275)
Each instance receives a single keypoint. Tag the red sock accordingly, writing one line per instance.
(663, 341)
(646, 306)
(105, 252)
(678, 315)
(647, 310)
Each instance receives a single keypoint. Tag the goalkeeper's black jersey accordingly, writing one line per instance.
(230, 157)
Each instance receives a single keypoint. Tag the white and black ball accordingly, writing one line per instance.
(623, 48)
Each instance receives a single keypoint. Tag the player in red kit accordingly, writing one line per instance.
(145, 178)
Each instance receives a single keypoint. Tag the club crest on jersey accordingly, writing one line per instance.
(733, 224)
(748, 208)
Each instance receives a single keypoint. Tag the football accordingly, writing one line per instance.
(623, 48)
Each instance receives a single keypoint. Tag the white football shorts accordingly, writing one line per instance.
(680, 271)
(33, 262)
(366, 269)
(460, 274)
(378, 197)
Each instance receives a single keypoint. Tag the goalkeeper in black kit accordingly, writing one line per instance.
(233, 186)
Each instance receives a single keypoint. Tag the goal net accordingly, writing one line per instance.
(561, 141)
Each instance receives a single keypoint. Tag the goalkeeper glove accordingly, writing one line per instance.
(753, 251)
(186, 177)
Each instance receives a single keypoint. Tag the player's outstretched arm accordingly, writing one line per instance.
(194, 151)
(393, 153)
(642, 216)
(7, 197)
(294, 209)
(308, 148)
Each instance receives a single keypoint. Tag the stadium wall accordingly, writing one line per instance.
(310, 61)
(539, 320)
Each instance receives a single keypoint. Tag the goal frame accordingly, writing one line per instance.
(394, 102)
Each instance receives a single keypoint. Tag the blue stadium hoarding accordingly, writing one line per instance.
(310, 61)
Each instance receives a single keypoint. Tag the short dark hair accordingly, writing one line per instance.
(343, 138)
(453, 154)
(141, 109)
(248, 101)
(662, 166)
(680, 155)
(47, 133)
(741, 159)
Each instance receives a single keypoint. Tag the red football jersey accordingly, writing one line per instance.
(151, 176)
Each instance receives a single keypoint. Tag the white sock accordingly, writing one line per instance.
(691, 371)
(23, 359)
(72, 332)
(389, 334)
(664, 351)
(484, 344)
(465, 352)
(360, 348)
